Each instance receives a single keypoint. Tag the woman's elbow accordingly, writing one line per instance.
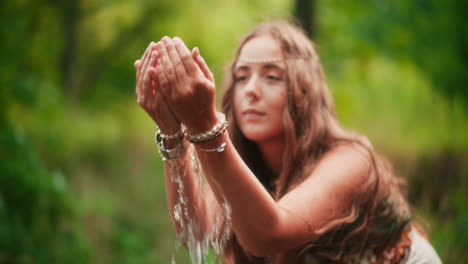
(262, 245)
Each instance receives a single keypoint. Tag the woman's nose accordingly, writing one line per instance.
(252, 89)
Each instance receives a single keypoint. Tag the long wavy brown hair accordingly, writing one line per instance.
(377, 217)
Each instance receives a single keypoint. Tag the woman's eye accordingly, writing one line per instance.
(240, 78)
(273, 78)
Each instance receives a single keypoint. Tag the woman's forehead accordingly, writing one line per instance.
(261, 49)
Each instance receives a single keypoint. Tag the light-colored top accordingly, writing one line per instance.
(421, 251)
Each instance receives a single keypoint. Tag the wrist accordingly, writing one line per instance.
(208, 134)
(203, 124)
(171, 143)
(217, 144)
(171, 137)
(170, 147)
(170, 130)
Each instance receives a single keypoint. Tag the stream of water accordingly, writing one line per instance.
(198, 246)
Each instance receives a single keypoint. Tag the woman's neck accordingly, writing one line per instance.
(272, 152)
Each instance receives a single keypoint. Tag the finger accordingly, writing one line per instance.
(137, 67)
(145, 56)
(159, 96)
(152, 69)
(148, 81)
(167, 64)
(186, 57)
(160, 76)
(146, 60)
(155, 83)
(202, 64)
(179, 67)
(152, 65)
(137, 88)
(139, 75)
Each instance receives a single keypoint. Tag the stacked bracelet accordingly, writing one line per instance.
(211, 134)
(169, 154)
(179, 149)
(220, 148)
(179, 135)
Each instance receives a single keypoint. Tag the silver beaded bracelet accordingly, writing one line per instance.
(178, 135)
(211, 134)
(169, 154)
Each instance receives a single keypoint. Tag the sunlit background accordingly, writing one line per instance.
(80, 177)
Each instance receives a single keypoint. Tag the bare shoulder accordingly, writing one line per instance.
(347, 156)
(345, 168)
(335, 183)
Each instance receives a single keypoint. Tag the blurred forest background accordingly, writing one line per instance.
(80, 177)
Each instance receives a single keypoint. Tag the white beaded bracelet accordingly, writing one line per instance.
(211, 134)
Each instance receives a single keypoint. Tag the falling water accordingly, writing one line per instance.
(217, 237)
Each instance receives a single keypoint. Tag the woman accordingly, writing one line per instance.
(300, 188)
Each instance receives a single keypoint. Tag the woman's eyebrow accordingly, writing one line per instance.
(241, 67)
(265, 66)
(273, 66)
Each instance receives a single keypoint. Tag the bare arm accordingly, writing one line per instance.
(195, 202)
(263, 226)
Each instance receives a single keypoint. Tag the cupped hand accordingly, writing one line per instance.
(149, 93)
(187, 84)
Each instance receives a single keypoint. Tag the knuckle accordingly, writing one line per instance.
(186, 58)
(183, 79)
(141, 100)
(188, 93)
(177, 44)
(198, 83)
(170, 72)
(178, 65)
(163, 83)
(180, 71)
(177, 99)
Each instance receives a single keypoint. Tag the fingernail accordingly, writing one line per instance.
(159, 46)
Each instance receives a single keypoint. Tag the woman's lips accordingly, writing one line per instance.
(252, 114)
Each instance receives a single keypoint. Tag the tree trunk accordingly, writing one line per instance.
(70, 17)
(304, 11)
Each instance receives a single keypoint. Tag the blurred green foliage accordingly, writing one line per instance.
(80, 181)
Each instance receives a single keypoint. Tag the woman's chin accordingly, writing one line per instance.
(258, 136)
(253, 135)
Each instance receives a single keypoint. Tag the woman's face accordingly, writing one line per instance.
(260, 89)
